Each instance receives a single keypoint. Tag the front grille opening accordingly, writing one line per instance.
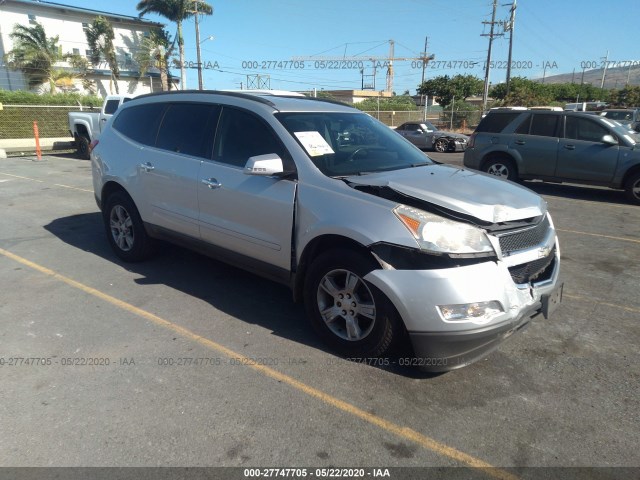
(524, 238)
(536, 271)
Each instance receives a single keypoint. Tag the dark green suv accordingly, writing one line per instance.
(557, 147)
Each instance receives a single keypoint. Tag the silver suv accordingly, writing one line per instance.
(557, 147)
(379, 241)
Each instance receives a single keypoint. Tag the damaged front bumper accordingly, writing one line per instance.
(440, 344)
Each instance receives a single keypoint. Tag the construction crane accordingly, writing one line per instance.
(388, 61)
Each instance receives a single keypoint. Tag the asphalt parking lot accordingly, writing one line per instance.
(184, 361)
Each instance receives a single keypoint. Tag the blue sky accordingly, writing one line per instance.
(559, 34)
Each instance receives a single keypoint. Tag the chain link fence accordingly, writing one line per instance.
(464, 121)
(16, 121)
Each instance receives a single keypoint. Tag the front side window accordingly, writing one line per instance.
(343, 144)
(584, 129)
(140, 123)
(188, 128)
(242, 135)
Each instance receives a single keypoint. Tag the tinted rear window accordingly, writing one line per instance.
(496, 122)
(111, 106)
(544, 125)
(140, 123)
(187, 128)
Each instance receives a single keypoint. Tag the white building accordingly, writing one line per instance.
(69, 23)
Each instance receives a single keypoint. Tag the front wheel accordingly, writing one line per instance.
(632, 188)
(351, 315)
(125, 230)
(441, 145)
(501, 167)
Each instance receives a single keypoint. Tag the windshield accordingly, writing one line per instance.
(620, 115)
(624, 132)
(343, 144)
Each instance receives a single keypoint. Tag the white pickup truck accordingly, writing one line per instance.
(85, 126)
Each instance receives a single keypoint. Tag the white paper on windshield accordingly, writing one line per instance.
(314, 143)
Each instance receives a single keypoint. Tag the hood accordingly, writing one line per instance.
(472, 193)
(440, 133)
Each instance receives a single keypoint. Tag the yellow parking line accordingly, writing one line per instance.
(602, 204)
(403, 432)
(42, 181)
(623, 239)
(600, 302)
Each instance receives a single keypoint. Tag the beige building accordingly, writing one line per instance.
(69, 23)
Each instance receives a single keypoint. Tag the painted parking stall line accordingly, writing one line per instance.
(404, 432)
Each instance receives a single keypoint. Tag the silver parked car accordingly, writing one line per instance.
(426, 135)
(381, 243)
(557, 147)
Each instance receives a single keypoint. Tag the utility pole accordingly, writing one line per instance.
(390, 66)
(485, 93)
(604, 71)
(198, 48)
(512, 26)
(423, 98)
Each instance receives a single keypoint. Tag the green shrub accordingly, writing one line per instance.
(21, 97)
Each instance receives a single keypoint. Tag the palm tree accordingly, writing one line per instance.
(155, 51)
(100, 38)
(176, 11)
(35, 54)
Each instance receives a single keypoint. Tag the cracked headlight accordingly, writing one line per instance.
(441, 235)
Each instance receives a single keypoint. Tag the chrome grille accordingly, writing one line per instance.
(525, 238)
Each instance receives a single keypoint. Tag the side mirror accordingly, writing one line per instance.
(609, 140)
(264, 165)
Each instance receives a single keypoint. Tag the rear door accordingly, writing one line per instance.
(536, 140)
(178, 137)
(582, 155)
(245, 214)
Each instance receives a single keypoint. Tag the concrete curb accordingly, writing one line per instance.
(12, 145)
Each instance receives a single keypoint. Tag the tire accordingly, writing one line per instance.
(125, 230)
(441, 145)
(366, 326)
(501, 167)
(632, 188)
(82, 147)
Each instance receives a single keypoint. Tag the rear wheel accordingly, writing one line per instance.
(632, 188)
(501, 167)
(125, 230)
(351, 315)
(82, 147)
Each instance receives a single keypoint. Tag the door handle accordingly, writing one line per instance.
(570, 147)
(520, 142)
(147, 167)
(212, 183)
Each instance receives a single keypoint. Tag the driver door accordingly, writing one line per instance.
(246, 214)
